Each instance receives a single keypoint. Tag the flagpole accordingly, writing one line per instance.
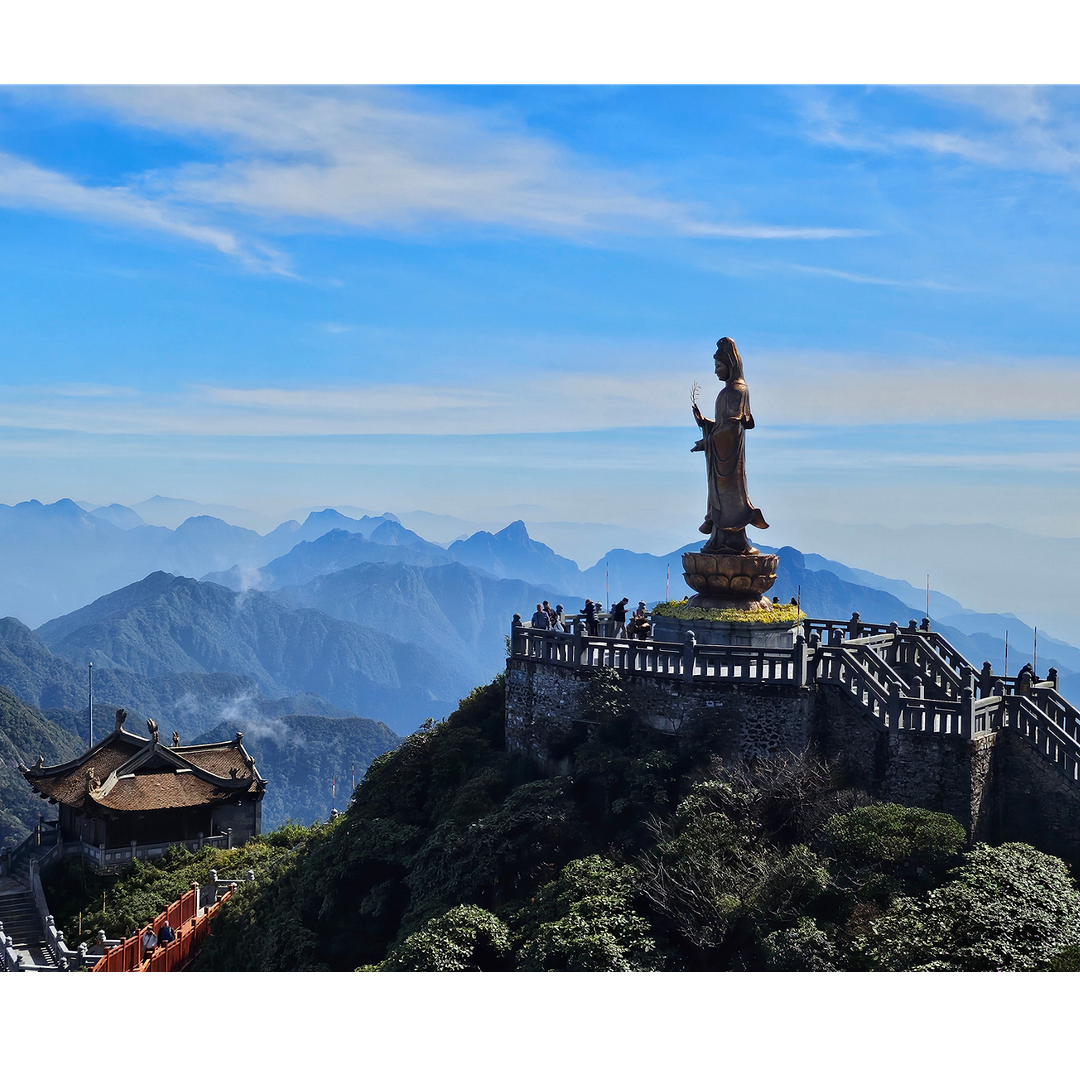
(667, 583)
(1006, 654)
(607, 587)
(1035, 659)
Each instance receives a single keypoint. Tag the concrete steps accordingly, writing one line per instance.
(22, 924)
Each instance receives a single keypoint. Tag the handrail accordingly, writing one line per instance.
(1058, 710)
(1056, 745)
(192, 926)
(688, 661)
(840, 665)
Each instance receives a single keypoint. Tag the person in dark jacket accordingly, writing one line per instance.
(589, 611)
(618, 618)
(167, 933)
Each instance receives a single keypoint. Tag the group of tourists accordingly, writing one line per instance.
(151, 941)
(545, 618)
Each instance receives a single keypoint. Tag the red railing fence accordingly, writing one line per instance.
(191, 926)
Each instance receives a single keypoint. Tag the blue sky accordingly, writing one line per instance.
(463, 299)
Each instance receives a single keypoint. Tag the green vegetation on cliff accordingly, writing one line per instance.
(650, 854)
(299, 756)
(122, 903)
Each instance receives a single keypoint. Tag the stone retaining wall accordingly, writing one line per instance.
(996, 785)
(543, 701)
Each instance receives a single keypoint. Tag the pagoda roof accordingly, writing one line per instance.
(127, 772)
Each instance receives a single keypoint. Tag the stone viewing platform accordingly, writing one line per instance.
(899, 707)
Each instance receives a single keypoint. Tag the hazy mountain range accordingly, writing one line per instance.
(58, 557)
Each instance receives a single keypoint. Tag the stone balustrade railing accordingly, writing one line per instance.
(113, 858)
(10, 960)
(905, 680)
(688, 661)
(873, 662)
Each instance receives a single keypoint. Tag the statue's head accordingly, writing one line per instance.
(728, 361)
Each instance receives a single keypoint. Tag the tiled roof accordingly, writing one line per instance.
(69, 788)
(218, 760)
(124, 773)
(162, 791)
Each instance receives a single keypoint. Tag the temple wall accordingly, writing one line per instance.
(244, 820)
(943, 773)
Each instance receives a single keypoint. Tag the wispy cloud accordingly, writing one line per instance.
(1030, 129)
(807, 390)
(382, 158)
(868, 279)
(371, 159)
(24, 185)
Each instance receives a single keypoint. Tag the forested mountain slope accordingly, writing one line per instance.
(26, 735)
(167, 624)
(299, 757)
(186, 701)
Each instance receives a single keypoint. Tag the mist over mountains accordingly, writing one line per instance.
(188, 701)
(60, 557)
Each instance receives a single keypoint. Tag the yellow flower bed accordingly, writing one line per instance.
(681, 609)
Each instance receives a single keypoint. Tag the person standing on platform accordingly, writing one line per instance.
(589, 611)
(618, 618)
(540, 619)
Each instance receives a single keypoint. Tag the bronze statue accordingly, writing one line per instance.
(723, 439)
(727, 572)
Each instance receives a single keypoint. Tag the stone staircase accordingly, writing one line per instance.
(917, 681)
(25, 946)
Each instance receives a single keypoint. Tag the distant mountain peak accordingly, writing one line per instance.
(515, 532)
(123, 517)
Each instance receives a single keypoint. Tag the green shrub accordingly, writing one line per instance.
(889, 834)
(1007, 908)
(585, 921)
(466, 938)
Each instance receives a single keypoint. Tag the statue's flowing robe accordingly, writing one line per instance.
(723, 442)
